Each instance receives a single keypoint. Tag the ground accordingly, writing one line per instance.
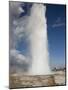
(17, 81)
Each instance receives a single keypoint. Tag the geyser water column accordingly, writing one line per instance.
(38, 41)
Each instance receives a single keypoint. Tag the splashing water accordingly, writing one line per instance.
(38, 41)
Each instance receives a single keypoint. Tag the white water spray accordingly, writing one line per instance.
(38, 41)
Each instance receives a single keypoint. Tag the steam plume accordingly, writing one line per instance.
(38, 41)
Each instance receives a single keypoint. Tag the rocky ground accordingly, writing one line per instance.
(60, 77)
(17, 81)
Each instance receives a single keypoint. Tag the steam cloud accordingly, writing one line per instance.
(38, 41)
(34, 27)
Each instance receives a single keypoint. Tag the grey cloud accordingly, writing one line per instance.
(15, 8)
(14, 30)
(20, 58)
(58, 25)
(18, 61)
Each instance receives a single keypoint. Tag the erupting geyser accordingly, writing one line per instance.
(39, 41)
